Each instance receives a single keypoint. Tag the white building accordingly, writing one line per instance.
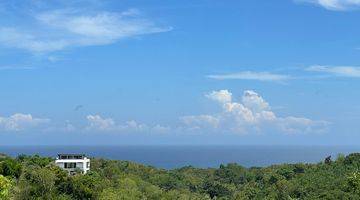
(73, 162)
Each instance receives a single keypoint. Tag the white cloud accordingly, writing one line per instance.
(15, 67)
(249, 75)
(345, 71)
(60, 29)
(254, 101)
(252, 115)
(222, 96)
(134, 126)
(98, 123)
(301, 125)
(60, 127)
(336, 5)
(200, 121)
(160, 129)
(34, 42)
(69, 127)
(20, 122)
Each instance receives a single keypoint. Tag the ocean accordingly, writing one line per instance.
(170, 157)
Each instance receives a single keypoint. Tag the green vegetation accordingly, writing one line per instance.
(35, 177)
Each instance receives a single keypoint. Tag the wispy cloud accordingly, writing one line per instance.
(21, 122)
(344, 71)
(98, 123)
(54, 30)
(250, 75)
(335, 5)
(16, 68)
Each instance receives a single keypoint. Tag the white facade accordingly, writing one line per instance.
(73, 162)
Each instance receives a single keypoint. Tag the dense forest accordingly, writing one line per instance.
(35, 177)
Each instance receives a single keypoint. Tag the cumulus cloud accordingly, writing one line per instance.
(249, 75)
(335, 5)
(344, 71)
(252, 115)
(221, 96)
(56, 30)
(98, 123)
(200, 121)
(254, 101)
(21, 122)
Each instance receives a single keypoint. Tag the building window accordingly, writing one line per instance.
(88, 165)
(69, 165)
(71, 156)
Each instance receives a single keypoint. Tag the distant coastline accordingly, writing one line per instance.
(170, 157)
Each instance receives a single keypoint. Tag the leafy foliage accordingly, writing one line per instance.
(5, 185)
(35, 177)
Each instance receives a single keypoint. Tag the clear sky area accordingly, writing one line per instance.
(197, 72)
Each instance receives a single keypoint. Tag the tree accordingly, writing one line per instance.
(10, 167)
(352, 159)
(37, 182)
(5, 185)
(354, 182)
(128, 190)
(216, 189)
(87, 186)
(248, 192)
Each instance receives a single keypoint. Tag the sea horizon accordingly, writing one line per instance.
(200, 156)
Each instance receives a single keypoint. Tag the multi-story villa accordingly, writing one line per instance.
(73, 163)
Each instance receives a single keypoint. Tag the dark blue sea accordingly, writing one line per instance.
(170, 157)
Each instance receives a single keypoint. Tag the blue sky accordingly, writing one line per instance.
(180, 72)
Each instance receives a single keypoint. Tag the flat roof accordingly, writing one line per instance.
(71, 154)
